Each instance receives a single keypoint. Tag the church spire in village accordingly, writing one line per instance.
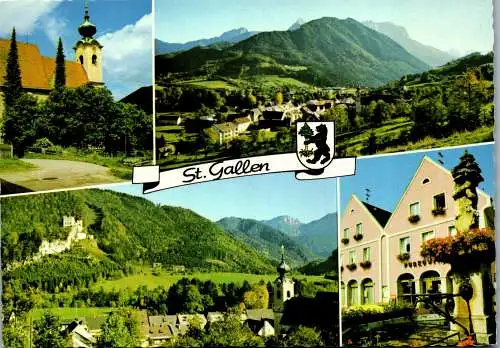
(283, 268)
(88, 51)
(87, 29)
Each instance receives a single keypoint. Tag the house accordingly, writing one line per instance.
(260, 321)
(309, 116)
(254, 115)
(213, 317)
(232, 117)
(162, 328)
(380, 251)
(273, 118)
(242, 124)
(38, 72)
(168, 120)
(226, 131)
(78, 335)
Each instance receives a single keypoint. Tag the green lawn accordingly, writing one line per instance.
(14, 165)
(66, 313)
(216, 84)
(167, 280)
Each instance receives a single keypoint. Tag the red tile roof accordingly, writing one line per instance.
(37, 71)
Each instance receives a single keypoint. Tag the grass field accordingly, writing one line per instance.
(216, 84)
(66, 313)
(480, 135)
(14, 165)
(167, 280)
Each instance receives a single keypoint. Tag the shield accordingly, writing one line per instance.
(315, 143)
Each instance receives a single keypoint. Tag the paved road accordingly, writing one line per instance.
(57, 174)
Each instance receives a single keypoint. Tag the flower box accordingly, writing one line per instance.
(357, 237)
(438, 211)
(365, 264)
(345, 241)
(468, 248)
(351, 267)
(403, 257)
(414, 219)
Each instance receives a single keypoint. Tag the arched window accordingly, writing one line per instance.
(288, 295)
(81, 59)
(426, 180)
(94, 59)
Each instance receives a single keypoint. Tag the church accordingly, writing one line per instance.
(38, 72)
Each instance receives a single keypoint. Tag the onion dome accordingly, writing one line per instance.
(87, 29)
(283, 268)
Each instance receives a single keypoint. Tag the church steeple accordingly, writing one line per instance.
(283, 286)
(87, 29)
(283, 268)
(88, 51)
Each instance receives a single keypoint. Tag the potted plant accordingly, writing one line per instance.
(403, 257)
(357, 237)
(345, 241)
(351, 267)
(365, 264)
(414, 219)
(438, 211)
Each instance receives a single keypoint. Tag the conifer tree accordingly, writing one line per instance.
(60, 67)
(12, 86)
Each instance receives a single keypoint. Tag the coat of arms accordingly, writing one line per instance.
(315, 143)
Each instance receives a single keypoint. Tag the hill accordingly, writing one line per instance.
(428, 54)
(326, 267)
(266, 239)
(320, 236)
(231, 36)
(128, 229)
(326, 51)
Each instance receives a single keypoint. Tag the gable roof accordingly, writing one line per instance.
(437, 165)
(37, 71)
(381, 215)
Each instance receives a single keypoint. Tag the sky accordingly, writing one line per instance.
(259, 197)
(394, 173)
(124, 28)
(460, 26)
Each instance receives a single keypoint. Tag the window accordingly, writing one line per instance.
(452, 231)
(81, 59)
(359, 228)
(426, 180)
(427, 235)
(352, 256)
(288, 295)
(367, 254)
(346, 233)
(439, 201)
(94, 59)
(404, 245)
(415, 209)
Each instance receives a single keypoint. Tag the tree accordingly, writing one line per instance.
(278, 98)
(14, 335)
(257, 297)
(12, 86)
(306, 132)
(48, 332)
(371, 144)
(118, 331)
(60, 80)
(304, 337)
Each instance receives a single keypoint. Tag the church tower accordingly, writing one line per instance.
(88, 51)
(283, 286)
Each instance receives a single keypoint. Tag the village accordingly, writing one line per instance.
(218, 131)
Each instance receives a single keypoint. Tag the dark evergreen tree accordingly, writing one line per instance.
(12, 87)
(60, 66)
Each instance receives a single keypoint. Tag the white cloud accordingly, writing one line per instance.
(53, 28)
(23, 14)
(127, 56)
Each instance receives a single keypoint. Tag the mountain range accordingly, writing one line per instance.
(318, 236)
(326, 51)
(231, 36)
(428, 54)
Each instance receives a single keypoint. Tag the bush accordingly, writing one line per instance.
(367, 313)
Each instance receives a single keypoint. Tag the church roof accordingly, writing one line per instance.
(37, 71)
